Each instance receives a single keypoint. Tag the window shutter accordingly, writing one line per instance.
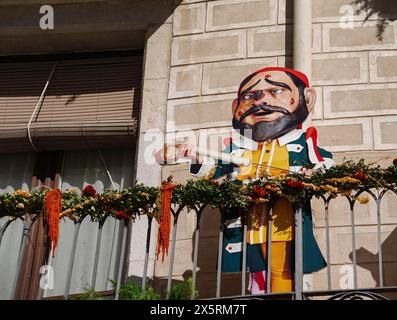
(89, 103)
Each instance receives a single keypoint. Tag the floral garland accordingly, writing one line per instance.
(132, 202)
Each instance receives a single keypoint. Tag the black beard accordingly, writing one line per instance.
(269, 130)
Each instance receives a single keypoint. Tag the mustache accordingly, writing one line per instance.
(264, 107)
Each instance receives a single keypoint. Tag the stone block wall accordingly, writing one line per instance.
(354, 70)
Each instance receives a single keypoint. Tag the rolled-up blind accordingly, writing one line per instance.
(88, 103)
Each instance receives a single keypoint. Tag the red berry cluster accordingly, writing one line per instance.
(360, 176)
(295, 184)
(258, 192)
(89, 191)
(120, 215)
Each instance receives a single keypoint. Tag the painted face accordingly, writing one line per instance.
(269, 104)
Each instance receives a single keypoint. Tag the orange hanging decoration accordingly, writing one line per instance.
(53, 209)
(163, 236)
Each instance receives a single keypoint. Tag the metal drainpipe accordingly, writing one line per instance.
(302, 35)
(302, 61)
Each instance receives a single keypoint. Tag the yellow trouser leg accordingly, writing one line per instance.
(281, 265)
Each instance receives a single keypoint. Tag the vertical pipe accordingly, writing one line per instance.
(26, 229)
(298, 255)
(172, 255)
(97, 251)
(327, 242)
(121, 261)
(302, 38)
(353, 243)
(269, 251)
(220, 255)
(244, 247)
(145, 266)
(379, 239)
(71, 261)
(195, 252)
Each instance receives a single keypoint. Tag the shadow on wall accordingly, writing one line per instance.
(385, 11)
(206, 275)
(369, 261)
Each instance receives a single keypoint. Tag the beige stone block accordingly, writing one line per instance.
(185, 81)
(213, 46)
(230, 14)
(340, 68)
(189, 19)
(385, 132)
(277, 40)
(383, 66)
(213, 139)
(285, 11)
(336, 11)
(317, 113)
(285, 61)
(224, 77)
(157, 53)
(200, 112)
(360, 100)
(345, 134)
(269, 41)
(360, 37)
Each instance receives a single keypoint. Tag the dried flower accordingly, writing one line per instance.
(360, 176)
(120, 215)
(22, 193)
(20, 206)
(295, 184)
(363, 199)
(89, 191)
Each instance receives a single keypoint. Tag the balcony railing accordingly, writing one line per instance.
(298, 293)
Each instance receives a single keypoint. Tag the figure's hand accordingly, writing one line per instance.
(171, 154)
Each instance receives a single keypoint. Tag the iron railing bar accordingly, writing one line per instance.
(244, 248)
(122, 257)
(4, 228)
(146, 263)
(352, 202)
(220, 256)
(269, 251)
(298, 255)
(96, 258)
(172, 254)
(379, 237)
(199, 213)
(328, 247)
(71, 261)
(27, 224)
(111, 250)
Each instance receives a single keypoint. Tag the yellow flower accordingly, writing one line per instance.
(363, 199)
(329, 189)
(20, 206)
(22, 193)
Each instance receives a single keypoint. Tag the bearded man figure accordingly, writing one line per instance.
(268, 113)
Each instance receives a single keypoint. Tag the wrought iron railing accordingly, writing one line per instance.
(298, 293)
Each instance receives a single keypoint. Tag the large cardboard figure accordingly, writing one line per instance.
(268, 113)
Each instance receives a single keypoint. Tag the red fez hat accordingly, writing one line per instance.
(297, 74)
